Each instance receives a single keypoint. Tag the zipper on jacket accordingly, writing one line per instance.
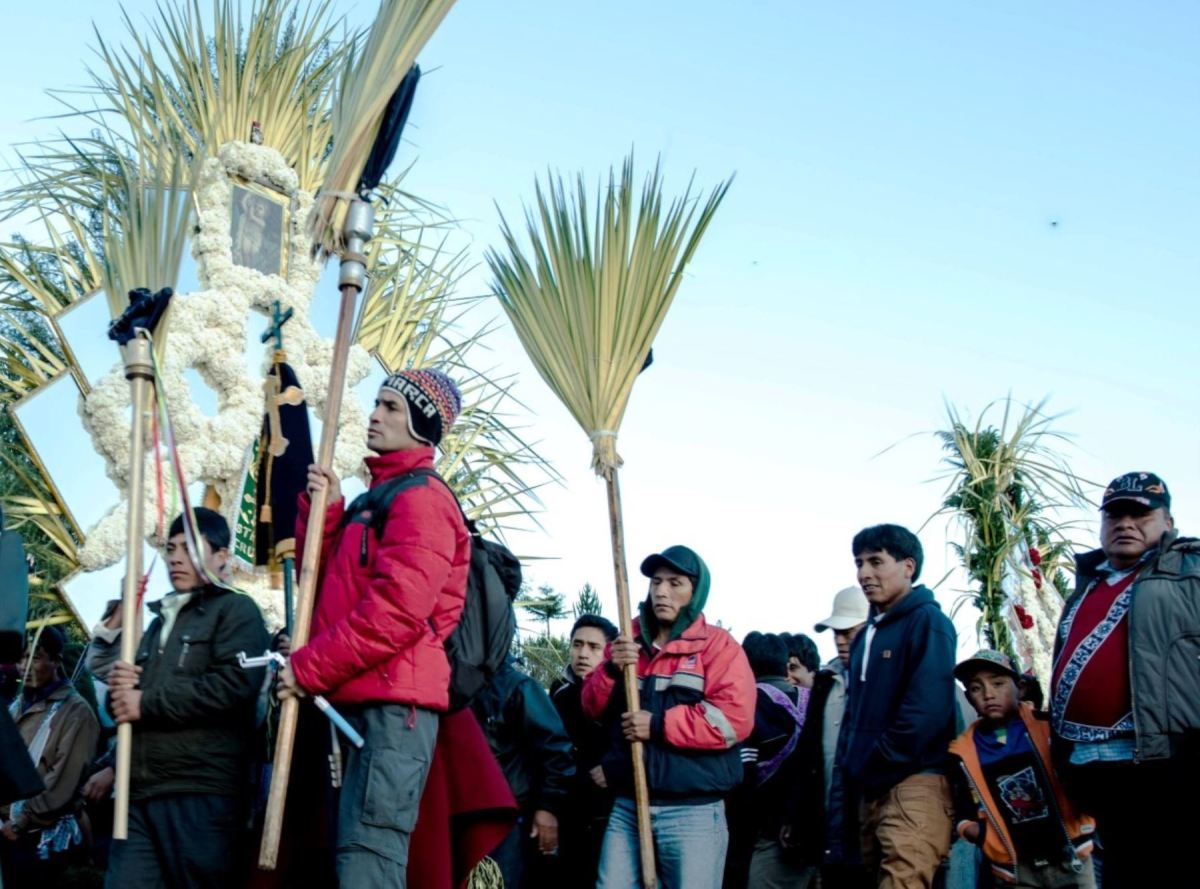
(362, 554)
(994, 825)
(1073, 861)
(1137, 732)
(183, 652)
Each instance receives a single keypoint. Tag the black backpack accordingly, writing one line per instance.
(481, 641)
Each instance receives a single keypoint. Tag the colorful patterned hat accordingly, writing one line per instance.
(433, 401)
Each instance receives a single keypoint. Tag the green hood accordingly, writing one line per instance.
(685, 561)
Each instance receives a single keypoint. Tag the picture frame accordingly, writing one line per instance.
(258, 228)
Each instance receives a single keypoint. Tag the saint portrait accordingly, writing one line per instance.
(257, 232)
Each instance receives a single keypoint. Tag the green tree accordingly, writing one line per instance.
(546, 606)
(587, 602)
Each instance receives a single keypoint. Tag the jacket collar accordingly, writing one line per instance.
(198, 597)
(689, 641)
(918, 596)
(62, 690)
(1167, 559)
(387, 466)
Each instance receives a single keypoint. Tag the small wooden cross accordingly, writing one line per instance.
(276, 328)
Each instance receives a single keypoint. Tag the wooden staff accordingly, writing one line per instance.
(641, 790)
(139, 370)
(351, 281)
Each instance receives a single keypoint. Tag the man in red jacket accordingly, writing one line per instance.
(697, 703)
(391, 590)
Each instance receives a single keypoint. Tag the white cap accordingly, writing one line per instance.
(849, 610)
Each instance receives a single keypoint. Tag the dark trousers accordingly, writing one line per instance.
(178, 842)
(524, 867)
(1138, 817)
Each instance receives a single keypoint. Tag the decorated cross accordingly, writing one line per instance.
(278, 319)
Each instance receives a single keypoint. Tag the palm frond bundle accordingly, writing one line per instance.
(368, 77)
(1006, 486)
(591, 293)
(194, 88)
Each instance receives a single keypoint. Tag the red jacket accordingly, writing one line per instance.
(700, 692)
(379, 628)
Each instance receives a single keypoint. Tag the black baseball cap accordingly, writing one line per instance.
(677, 558)
(1145, 488)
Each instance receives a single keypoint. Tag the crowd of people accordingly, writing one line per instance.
(891, 765)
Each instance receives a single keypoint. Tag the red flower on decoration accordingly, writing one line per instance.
(1024, 618)
(1037, 579)
(1035, 556)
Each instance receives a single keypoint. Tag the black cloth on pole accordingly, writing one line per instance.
(281, 479)
(145, 311)
(387, 142)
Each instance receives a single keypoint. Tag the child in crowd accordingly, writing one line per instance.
(1007, 797)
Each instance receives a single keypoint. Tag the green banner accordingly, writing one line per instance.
(247, 518)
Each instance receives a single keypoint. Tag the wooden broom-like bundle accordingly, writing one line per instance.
(587, 302)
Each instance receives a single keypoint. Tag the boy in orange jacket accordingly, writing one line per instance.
(1007, 797)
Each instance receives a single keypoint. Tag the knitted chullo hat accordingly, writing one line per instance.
(433, 401)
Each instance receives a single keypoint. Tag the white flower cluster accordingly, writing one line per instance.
(207, 332)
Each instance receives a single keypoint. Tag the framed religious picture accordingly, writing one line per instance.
(258, 230)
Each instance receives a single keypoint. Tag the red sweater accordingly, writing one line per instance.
(379, 628)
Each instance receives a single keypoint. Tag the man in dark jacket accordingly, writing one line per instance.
(770, 758)
(697, 703)
(529, 741)
(193, 714)
(1125, 686)
(900, 715)
(582, 831)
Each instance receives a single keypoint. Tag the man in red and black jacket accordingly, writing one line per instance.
(391, 592)
(697, 703)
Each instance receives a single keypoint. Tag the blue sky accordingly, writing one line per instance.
(933, 201)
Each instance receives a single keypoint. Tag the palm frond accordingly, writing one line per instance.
(195, 86)
(589, 296)
(1007, 486)
(368, 76)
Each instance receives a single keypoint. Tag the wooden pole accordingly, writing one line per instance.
(352, 280)
(641, 791)
(139, 370)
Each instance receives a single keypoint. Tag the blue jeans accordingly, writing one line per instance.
(689, 846)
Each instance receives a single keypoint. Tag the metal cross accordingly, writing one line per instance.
(276, 328)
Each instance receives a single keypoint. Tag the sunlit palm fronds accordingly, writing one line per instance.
(591, 293)
(411, 317)
(145, 226)
(368, 77)
(196, 84)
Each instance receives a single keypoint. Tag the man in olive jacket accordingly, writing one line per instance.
(193, 714)
(1125, 687)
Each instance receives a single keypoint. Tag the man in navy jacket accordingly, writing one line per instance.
(900, 713)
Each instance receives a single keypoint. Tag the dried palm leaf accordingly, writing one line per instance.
(368, 78)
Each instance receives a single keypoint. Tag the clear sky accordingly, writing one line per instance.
(933, 202)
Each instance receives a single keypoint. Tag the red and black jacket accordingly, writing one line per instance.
(700, 692)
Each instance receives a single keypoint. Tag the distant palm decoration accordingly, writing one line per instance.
(203, 99)
(1006, 485)
(586, 300)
